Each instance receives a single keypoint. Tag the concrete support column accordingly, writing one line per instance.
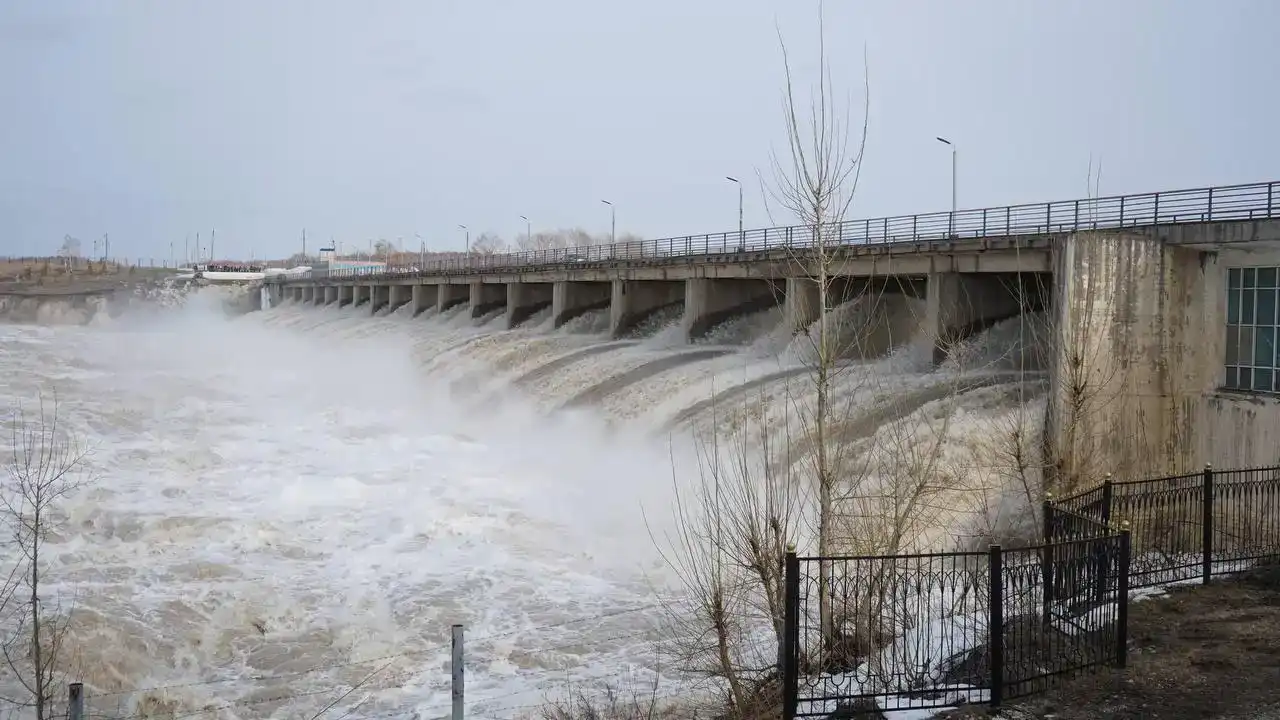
(359, 295)
(346, 295)
(570, 299)
(487, 297)
(802, 303)
(958, 305)
(422, 297)
(318, 295)
(330, 294)
(708, 302)
(631, 301)
(378, 297)
(448, 296)
(400, 295)
(525, 299)
(308, 293)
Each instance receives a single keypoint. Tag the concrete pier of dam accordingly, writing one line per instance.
(1161, 348)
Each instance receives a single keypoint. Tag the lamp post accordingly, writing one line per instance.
(741, 236)
(951, 222)
(613, 222)
(468, 236)
(528, 232)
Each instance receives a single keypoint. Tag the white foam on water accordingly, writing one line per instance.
(273, 502)
(316, 486)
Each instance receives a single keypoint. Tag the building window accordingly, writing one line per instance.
(1252, 329)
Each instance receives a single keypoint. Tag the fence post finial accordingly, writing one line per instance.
(1048, 496)
(1208, 466)
(791, 547)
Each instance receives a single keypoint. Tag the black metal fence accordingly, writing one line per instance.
(933, 630)
(1189, 527)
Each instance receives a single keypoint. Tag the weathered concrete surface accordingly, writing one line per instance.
(959, 305)
(330, 294)
(359, 294)
(399, 295)
(423, 297)
(1139, 332)
(708, 302)
(630, 302)
(379, 296)
(448, 296)
(525, 299)
(570, 299)
(486, 297)
(346, 295)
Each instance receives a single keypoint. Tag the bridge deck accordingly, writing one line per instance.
(1202, 217)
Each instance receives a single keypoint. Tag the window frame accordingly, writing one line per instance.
(1251, 347)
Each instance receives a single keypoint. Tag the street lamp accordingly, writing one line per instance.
(613, 222)
(951, 224)
(528, 232)
(468, 232)
(741, 236)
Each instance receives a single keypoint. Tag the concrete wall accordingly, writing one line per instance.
(346, 295)
(359, 294)
(631, 301)
(570, 299)
(448, 296)
(399, 295)
(423, 297)
(1238, 429)
(379, 297)
(708, 302)
(486, 297)
(1139, 330)
(330, 294)
(525, 299)
(958, 305)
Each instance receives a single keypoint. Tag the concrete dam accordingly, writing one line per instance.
(1116, 322)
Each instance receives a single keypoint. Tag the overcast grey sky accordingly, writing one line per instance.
(152, 120)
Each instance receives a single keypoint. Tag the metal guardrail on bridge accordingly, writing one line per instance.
(1214, 204)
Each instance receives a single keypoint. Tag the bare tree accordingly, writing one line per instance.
(45, 466)
(488, 244)
(815, 180)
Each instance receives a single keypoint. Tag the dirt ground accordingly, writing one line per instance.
(1210, 653)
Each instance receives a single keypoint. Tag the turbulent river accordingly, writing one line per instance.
(285, 504)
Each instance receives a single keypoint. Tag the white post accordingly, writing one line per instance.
(457, 673)
(75, 701)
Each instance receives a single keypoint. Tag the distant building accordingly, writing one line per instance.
(368, 265)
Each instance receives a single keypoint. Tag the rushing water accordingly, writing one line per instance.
(286, 503)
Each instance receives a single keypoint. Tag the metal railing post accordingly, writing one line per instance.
(1046, 562)
(995, 622)
(1122, 598)
(790, 660)
(1206, 520)
(1210, 213)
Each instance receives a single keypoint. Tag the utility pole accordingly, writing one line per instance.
(106, 246)
(171, 254)
(304, 244)
(186, 250)
(741, 236)
(213, 237)
(613, 222)
(951, 224)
